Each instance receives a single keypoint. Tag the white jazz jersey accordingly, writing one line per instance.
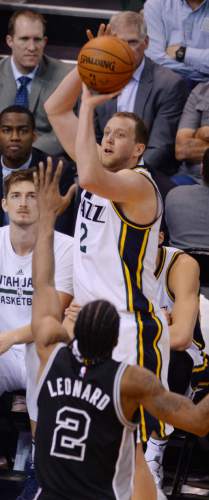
(114, 259)
(16, 292)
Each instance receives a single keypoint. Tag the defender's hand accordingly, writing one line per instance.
(47, 186)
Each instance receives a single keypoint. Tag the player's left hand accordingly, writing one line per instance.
(47, 187)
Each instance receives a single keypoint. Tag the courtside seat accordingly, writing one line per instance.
(12, 424)
(186, 463)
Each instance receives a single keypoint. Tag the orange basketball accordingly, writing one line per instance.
(106, 64)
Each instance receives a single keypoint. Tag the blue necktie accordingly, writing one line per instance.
(22, 92)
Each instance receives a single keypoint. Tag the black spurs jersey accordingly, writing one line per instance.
(84, 444)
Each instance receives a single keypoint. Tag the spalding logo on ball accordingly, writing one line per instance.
(106, 64)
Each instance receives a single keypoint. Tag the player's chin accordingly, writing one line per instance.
(24, 221)
(109, 163)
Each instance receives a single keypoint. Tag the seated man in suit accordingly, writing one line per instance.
(28, 76)
(17, 135)
(154, 93)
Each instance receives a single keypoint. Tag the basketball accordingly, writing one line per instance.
(106, 64)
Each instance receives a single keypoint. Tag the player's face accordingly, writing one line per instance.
(130, 35)
(119, 149)
(21, 204)
(27, 43)
(16, 139)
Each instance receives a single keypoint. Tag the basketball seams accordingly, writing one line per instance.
(132, 60)
(89, 68)
(106, 64)
(103, 51)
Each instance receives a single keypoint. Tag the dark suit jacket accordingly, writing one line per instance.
(159, 102)
(65, 222)
(49, 74)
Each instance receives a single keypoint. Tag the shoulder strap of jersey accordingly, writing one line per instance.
(170, 265)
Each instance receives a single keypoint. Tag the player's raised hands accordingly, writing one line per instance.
(104, 29)
(46, 182)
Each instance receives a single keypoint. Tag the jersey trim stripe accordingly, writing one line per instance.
(198, 344)
(172, 262)
(140, 227)
(132, 263)
(159, 360)
(161, 262)
(158, 363)
(140, 361)
(140, 259)
(126, 273)
(117, 398)
(157, 338)
(127, 450)
(201, 367)
(140, 344)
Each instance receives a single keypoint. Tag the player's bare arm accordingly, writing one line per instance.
(183, 281)
(59, 106)
(140, 386)
(46, 309)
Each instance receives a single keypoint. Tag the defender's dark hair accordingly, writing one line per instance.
(16, 108)
(18, 176)
(96, 330)
(141, 133)
(30, 14)
(205, 167)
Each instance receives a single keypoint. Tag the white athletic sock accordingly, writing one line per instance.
(155, 450)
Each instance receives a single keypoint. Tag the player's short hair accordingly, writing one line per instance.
(96, 331)
(131, 19)
(141, 133)
(30, 14)
(16, 108)
(205, 167)
(18, 176)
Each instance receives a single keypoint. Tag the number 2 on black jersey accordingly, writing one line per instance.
(70, 434)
